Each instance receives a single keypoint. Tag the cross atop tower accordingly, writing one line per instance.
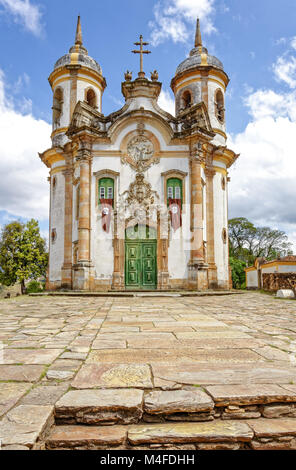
(141, 74)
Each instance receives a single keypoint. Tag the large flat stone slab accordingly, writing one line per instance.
(113, 376)
(135, 343)
(25, 424)
(273, 427)
(10, 394)
(173, 355)
(225, 395)
(30, 356)
(85, 437)
(122, 406)
(26, 373)
(177, 401)
(44, 394)
(213, 334)
(222, 374)
(214, 431)
(108, 344)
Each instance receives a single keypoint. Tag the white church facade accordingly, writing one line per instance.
(138, 198)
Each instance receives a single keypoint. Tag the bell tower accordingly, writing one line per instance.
(76, 77)
(201, 78)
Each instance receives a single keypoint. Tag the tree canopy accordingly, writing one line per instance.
(247, 242)
(23, 253)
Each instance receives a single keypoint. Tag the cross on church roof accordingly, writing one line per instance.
(141, 52)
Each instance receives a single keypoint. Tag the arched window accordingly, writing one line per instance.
(91, 98)
(174, 189)
(219, 104)
(186, 99)
(106, 189)
(57, 107)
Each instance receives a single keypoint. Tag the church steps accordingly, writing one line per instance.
(234, 434)
(131, 406)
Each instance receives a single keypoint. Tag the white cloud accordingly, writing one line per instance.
(166, 102)
(173, 19)
(268, 103)
(25, 13)
(24, 187)
(293, 42)
(285, 70)
(262, 184)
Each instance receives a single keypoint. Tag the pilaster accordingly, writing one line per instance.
(212, 273)
(83, 270)
(66, 282)
(197, 268)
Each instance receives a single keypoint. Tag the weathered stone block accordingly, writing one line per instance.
(113, 375)
(219, 431)
(25, 424)
(278, 411)
(85, 437)
(177, 401)
(224, 395)
(122, 406)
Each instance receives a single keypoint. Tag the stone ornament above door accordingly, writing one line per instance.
(140, 152)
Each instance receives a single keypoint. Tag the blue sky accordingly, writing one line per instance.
(255, 40)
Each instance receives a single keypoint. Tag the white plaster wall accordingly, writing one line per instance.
(102, 253)
(204, 203)
(74, 219)
(101, 243)
(287, 268)
(179, 245)
(272, 269)
(220, 222)
(57, 222)
(252, 278)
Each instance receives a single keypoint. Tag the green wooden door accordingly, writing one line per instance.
(140, 264)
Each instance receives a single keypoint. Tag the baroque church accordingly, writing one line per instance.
(138, 198)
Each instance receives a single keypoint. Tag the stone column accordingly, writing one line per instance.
(197, 266)
(67, 266)
(84, 276)
(118, 247)
(162, 250)
(73, 87)
(84, 207)
(212, 273)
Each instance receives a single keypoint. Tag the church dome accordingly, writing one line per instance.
(195, 59)
(82, 59)
(199, 56)
(78, 55)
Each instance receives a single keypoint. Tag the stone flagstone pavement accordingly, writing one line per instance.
(120, 360)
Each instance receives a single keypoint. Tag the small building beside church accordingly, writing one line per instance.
(271, 275)
(138, 198)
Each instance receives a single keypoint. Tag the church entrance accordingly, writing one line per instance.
(140, 258)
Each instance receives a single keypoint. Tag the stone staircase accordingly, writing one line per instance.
(255, 416)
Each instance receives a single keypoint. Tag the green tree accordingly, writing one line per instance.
(238, 272)
(23, 253)
(247, 242)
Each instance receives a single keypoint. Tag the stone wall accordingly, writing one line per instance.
(276, 281)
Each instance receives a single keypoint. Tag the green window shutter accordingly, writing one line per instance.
(174, 189)
(106, 189)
